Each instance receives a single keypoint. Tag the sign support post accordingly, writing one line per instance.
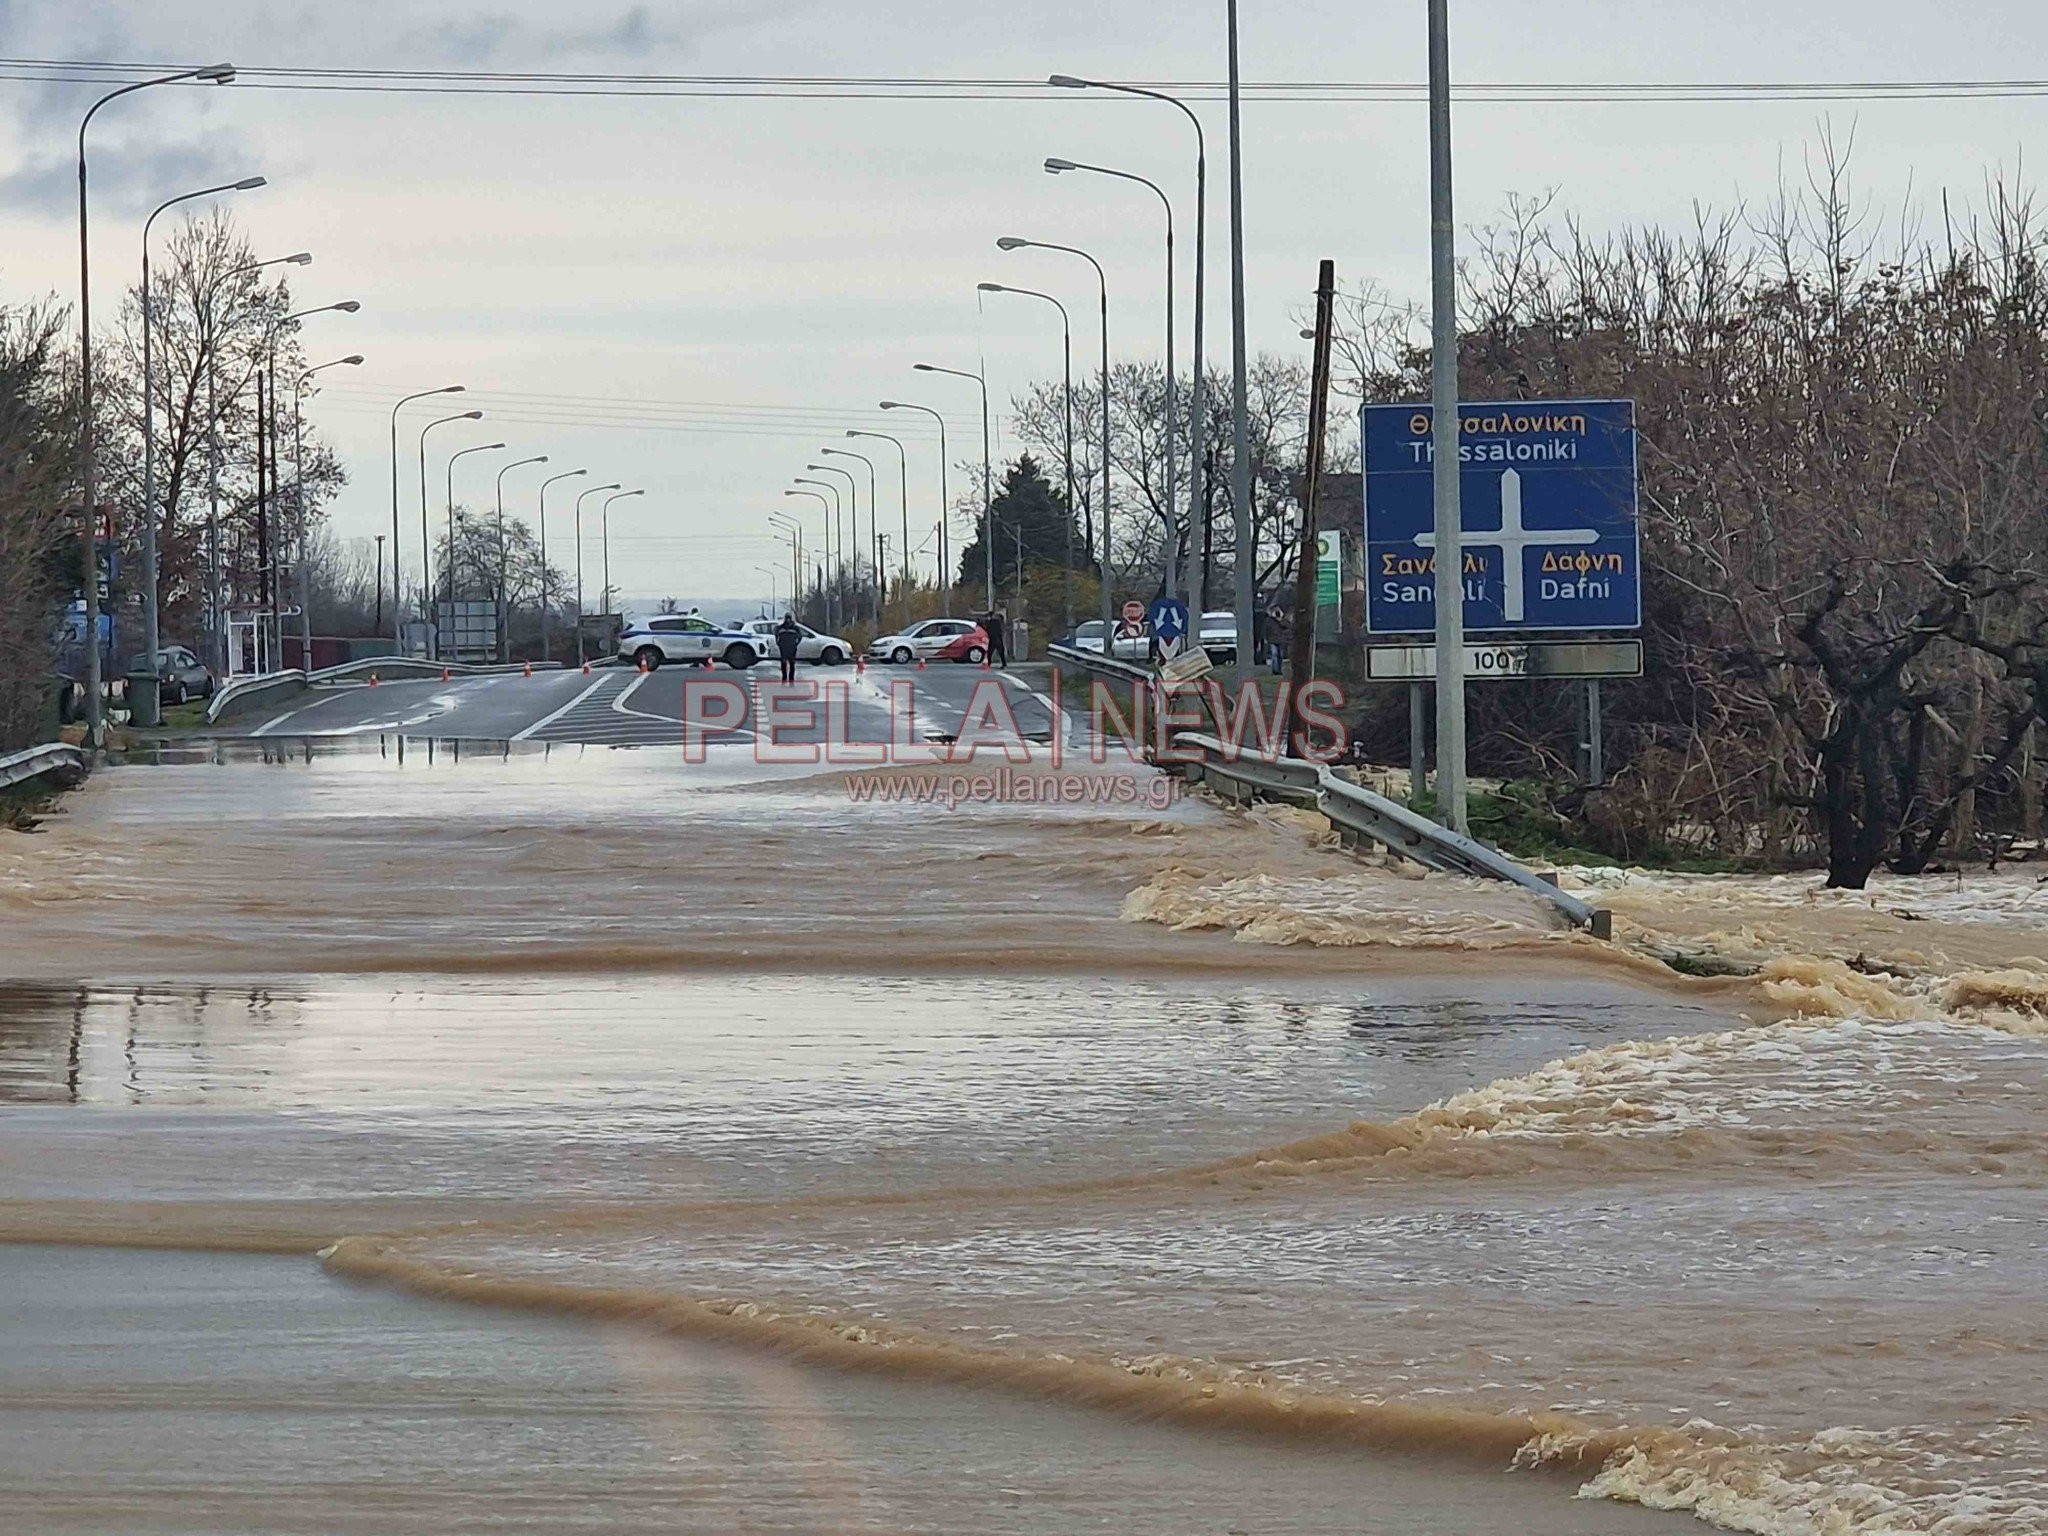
(1418, 759)
(1449, 557)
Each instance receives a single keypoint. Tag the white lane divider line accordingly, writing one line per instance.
(549, 719)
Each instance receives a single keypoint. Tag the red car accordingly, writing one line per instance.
(933, 640)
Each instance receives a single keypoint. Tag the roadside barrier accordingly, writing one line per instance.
(1244, 774)
(34, 762)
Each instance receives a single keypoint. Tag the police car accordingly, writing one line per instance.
(687, 637)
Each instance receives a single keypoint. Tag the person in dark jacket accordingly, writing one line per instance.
(788, 636)
(997, 627)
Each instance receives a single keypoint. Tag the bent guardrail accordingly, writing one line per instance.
(1243, 774)
(34, 762)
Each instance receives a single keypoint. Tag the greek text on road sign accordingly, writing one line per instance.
(1548, 496)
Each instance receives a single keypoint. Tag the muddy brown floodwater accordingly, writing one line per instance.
(687, 1149)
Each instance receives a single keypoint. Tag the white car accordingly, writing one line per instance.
(688, 637)
(932, 640)
(825, 650)
(1217, 632)
(1088, 637)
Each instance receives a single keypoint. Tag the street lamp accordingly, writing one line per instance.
(353, 360)
(504, 618)
(1198, 504)
(426, 538)
(825, 518)
(397, 622)
(791, 529)
(903, 495)
(604, 533)
(1017, 243)
(1067, 343)
(988, 537)
(874, 530)
(546, 652)
(773, 576)
(945, 506)
(832, 525)
(151, 594)
(1055, 167)
(458, 453)
(213, 74)
(215, 576)
(592, 491)
(853, 516)
(267, 429)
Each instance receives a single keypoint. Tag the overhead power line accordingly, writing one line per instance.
(973, 88)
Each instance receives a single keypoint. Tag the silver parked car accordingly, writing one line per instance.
(825, 650)
(180, 674)
(1088, 637)
(1218, 634)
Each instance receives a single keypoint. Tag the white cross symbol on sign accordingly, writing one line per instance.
(1511, 540)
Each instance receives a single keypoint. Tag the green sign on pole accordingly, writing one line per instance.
(1329, 547)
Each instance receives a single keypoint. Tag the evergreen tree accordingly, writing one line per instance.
(1030, 505)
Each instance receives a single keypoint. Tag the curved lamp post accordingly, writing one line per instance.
(988, 535)
(945, 507)
(426, 538)
(353, 360)
(835, 538)
(213, 74)
(1067, 342)
(604, 534)
(903, 496)
(1198, 506)
(505, 618)
(546, 650)
(397, 623)
(824, 517)
(151, 594)
(458, 453)
(1016, 243)
(874, 531)
(592, 491)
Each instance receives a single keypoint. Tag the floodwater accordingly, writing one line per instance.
(720, 1154)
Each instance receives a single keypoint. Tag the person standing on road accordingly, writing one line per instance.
(788, 636)
(997, 628)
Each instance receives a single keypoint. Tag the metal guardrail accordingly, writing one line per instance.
(1353, 809)
(244, 691)
(34, 762)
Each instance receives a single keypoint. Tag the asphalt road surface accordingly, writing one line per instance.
(622, 707)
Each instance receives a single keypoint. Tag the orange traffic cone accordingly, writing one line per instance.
(444, 674)
(643, 664)
(860, 666)
(706, 663)
(529, 669)
(586, 669)
(373, 679)
(920, 664)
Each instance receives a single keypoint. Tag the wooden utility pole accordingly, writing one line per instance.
(1301, 653)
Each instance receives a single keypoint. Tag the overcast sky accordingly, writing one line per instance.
(786, 261)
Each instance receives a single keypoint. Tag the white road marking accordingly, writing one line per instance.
(549, 719)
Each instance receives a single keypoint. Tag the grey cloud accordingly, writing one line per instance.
(496, 37)
(129, 175)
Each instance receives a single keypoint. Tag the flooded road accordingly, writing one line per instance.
(846, 1166)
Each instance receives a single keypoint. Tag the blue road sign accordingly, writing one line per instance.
(1169, 619)
(1548, 495)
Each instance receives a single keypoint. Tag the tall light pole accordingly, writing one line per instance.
(426, 538)
(1198, 426)
(789, 528)
(592, 491)
(1015, 243)
(902, 500)
(378, 624)
(1067, 354)
(504, 616)
(397, 621)
(353, 360)
(988, 534)
(874, 531)
(1240, 431)
(450, 503)
(546, 650)
(604, 543)
(851, 506)
(773, 576)
(832, 516)
(1055, 167)
(215, 575)
(152, 595)
(1449, 553)
(347, 307)
(853, 509)
(213, 74)
(824, 516)
(945, 507)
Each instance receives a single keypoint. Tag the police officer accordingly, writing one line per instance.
(998, 628)
(788, 636)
